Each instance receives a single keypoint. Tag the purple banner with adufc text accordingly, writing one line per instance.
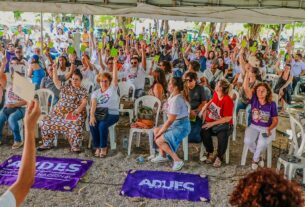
(58, 174)
(166, 185)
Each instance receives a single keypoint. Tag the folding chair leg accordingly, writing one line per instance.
(138, 139)
(202, 151)
(244, 155)
(90, 141)
(185, 148)
(269, 155)
(151, 143)
(130, 141)
(228, 153)
(112, 137)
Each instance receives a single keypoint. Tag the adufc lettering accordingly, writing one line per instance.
(169, 185)
(166, 185)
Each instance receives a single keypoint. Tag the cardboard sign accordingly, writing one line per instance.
(23, 88)
(121, 43)
(141, 37)
(50, 45)
(282, 52)
(1, 34)
(189, 38)
(156, 58)
(114, 52)
(70, 50)
(244, 43)
(100, 45)
(83, 48)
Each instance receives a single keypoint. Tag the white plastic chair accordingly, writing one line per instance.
(227, 154)
(88, 85)
(296, 149)
(150, 79)
(273, 78)
(124, 88)
(269, 148)
(112, 135)
(46, 100)
(149, 101)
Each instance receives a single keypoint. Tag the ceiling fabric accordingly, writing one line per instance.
(232, 14)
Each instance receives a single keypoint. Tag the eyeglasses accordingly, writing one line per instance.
(18, 51)
(188, 80)
(104, 81)
(134, 63)
(110, 63)
(75, 79)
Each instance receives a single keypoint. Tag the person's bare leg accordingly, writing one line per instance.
(165, 148)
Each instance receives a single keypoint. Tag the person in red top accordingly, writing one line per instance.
(217, 114)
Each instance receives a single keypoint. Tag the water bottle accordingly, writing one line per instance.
(125, 142)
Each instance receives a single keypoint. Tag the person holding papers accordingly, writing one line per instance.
(12, 112)
(69, 114)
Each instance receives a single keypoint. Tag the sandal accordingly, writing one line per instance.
(43, 148)
(103, 154)
(97, 153)
(217, 163)
(210, 159)
(76, 150)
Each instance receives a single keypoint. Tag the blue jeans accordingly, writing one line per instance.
(194, 135)
(241, 105)
(100, 130)
(12, 119)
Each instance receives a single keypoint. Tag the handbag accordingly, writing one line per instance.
(101, 113)
(220, 127)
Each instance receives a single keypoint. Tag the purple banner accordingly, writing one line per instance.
(60, 174)
(166, 185)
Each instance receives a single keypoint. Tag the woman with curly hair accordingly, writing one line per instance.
(266, 188)
(264, 119)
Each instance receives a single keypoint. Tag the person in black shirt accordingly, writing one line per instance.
(197, 99)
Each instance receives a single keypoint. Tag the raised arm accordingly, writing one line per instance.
(27, 169)
(248, 91)
(56, 81)
(143, 45)
(115, 72)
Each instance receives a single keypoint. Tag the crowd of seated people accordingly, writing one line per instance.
(193, 80)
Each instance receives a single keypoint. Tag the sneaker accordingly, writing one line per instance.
(177, 165)
(159, 159)
(17, 145)
(254, 165)
(217, 163)
(261, 163)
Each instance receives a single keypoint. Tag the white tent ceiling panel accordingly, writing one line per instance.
(185, 13)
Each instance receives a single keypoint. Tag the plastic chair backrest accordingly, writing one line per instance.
(298, 149)
(46, 99)
(148, 65)
(275, 98)
(149, 101)
(89, 86)
(124, 88)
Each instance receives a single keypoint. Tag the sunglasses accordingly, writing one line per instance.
(134, 63)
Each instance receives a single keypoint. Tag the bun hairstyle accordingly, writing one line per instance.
(78, 73)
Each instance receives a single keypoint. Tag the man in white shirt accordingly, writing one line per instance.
(16, 194)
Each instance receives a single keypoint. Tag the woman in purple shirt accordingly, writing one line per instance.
(264, 120)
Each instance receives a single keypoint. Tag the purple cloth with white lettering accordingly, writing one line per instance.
(59, 174)
(166, 185)
(262, 114)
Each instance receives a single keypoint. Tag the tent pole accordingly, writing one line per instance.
(91, 29)
(281, 29)
(41, 31)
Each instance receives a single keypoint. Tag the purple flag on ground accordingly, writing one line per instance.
(166, 185)
(61, 174)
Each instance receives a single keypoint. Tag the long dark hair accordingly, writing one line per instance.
(159, 77)
(178, 82)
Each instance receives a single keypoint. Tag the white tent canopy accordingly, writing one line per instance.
(251, 11)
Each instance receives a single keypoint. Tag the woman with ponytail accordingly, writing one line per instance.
(169, 136)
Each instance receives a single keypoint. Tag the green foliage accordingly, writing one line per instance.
(17, 15)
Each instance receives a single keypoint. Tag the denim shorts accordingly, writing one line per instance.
(177, 132)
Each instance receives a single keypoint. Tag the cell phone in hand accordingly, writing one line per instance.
(264, 134)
